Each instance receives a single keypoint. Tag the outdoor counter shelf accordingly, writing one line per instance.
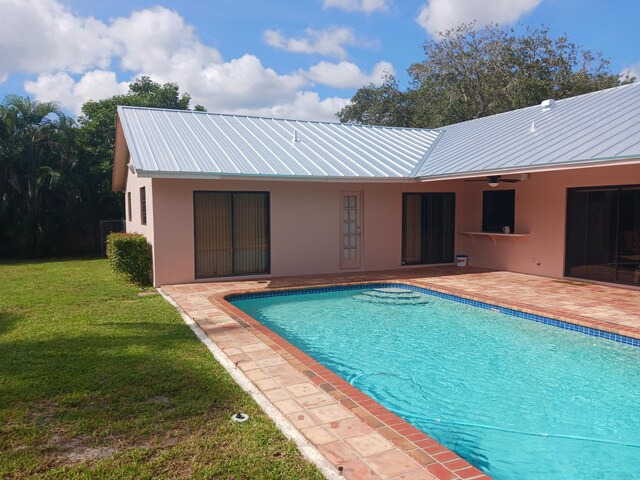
(493, 235)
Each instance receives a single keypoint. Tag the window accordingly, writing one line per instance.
(143, 206)
(428, 221)
(231, 233)
(129, 205)
(498, 210)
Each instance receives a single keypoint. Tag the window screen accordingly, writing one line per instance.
(498, 210)
(143, 206)
(231, 233)
(428, 221)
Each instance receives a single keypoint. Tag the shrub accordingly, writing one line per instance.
(130, 256)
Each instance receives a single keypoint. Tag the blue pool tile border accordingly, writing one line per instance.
(592, 332)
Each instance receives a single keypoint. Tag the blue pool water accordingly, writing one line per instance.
(517, 399)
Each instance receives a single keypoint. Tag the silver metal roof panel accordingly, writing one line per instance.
(194, 143)
(599, 126)
(602, 125)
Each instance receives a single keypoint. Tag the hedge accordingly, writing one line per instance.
(130, 256)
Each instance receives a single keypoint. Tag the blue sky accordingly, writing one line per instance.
(295, 59)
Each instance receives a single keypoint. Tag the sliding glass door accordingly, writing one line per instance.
(231, 231)
(428, 221)
(603, 231)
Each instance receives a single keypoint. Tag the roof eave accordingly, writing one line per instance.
(259, 177)
(601, 162)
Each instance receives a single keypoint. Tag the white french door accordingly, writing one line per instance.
(351, 230)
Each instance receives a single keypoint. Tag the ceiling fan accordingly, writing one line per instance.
(494, 180)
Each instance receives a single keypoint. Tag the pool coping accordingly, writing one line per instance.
(544, 319)
(433, 459)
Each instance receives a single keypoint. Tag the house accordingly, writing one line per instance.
(552, 190)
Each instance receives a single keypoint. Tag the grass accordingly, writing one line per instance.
(99, 382)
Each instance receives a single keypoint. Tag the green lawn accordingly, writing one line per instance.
(99, 382)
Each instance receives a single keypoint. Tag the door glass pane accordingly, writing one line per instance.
(412, 229)
(213, 234)
(349, 227)
(629, 237)
(603, 231)
(251, 245)
(428, 228)
(592, 234)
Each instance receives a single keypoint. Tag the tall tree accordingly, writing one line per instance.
(470, 73)
(55, 174)
(97, 141)
(384, 105)
(98, 119)
(36, 151)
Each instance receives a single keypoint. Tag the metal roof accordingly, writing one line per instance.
(597, 127)
(590, 128)
(185, 143)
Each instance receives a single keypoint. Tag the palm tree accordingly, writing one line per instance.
(36, 150)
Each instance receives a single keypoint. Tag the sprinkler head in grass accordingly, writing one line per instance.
(240, 417)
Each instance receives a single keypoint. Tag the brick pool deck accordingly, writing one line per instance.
(352, 431)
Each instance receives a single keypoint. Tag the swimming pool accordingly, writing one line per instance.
(516, 398)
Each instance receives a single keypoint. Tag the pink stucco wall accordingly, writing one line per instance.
(305, 221)
(134, 183)
(305, 224)
(541, 204)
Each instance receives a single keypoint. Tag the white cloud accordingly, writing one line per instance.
(267, 94)
(42, 36)
(242, 83)
(159, 39)
(305, 106)
(328, 42)
(440, 15)
(348, 75)
(632, 71)
(62, 88)
(367, 6)
(72, 59)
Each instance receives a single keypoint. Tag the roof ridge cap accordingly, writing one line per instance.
(292, 120)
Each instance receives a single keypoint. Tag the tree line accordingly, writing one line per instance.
(55, 171)
(471, 72)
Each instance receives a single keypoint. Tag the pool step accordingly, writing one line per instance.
(392, 296)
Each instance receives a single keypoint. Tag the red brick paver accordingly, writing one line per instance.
(350, 429)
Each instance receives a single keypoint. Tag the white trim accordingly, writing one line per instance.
(296, 178)
(616, 161)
